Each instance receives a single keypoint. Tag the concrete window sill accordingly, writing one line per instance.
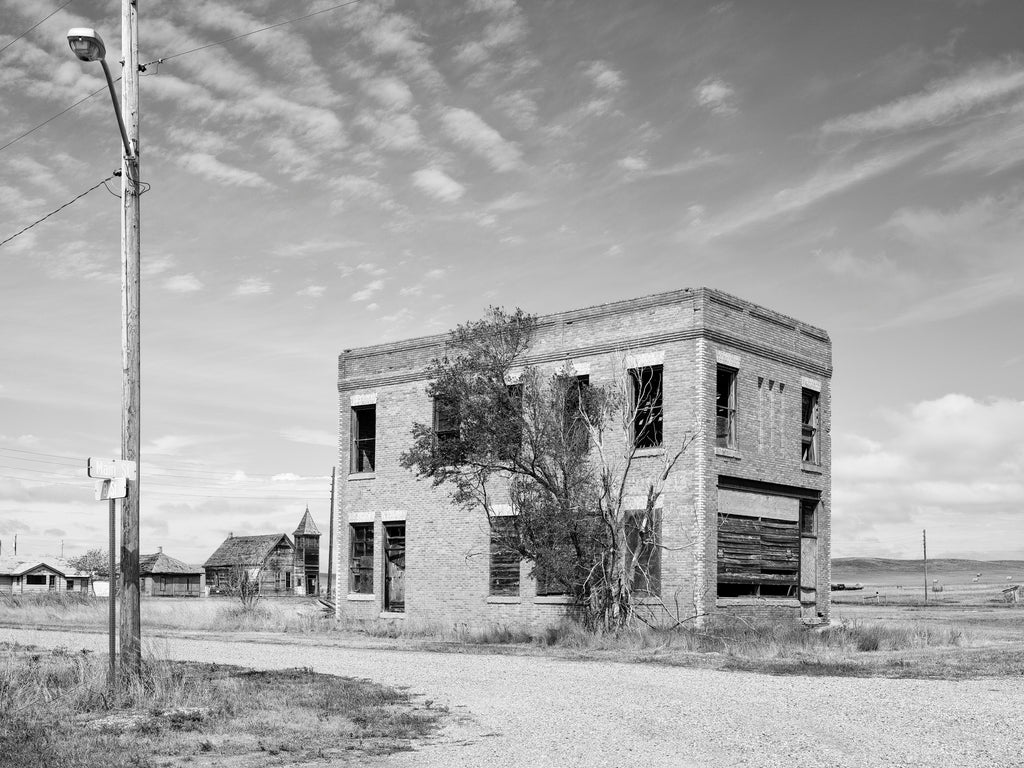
(391, 615)
(362, 476)
(360, 597)
(729, 453)
(504, 600)
(814, 469)
(642, 453)
(552, 600)
(782, 602)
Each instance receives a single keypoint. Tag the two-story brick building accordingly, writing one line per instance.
(744, 517)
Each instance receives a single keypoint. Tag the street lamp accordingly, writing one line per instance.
(87, 45)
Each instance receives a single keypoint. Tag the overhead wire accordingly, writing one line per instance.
(142, 67)
(16, 39)
(57, 210)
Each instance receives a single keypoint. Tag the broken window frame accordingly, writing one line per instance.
(394, 552)
(503, 563)
(646, 577)
(725, 412)
(360, 562)
(810, 426)
(363, 439)
(576, 397)
(646, 394)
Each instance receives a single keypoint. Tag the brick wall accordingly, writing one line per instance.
(446, 578)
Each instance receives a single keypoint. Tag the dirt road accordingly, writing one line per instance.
(528, 711)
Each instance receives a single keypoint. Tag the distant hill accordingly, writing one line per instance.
(855, 565)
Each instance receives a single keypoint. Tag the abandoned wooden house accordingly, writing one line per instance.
(24, 576)
(745, 518)
(163, 576)
(281, 566)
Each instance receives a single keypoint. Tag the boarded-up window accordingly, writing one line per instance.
(360, 579)
(504, 560)
(446, 419)
(643, 536)
(364, 438)
(758, 544)
(646, 384)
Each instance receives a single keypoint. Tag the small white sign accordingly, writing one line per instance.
(110, 468)
(112, 488)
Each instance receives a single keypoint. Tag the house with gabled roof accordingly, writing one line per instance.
(161, 575)
(20, 576)
(281, 564)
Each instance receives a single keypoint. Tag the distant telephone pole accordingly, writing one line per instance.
(924, 546)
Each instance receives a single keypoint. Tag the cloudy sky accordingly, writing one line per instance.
(388, 169)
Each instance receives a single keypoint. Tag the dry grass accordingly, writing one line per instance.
(177, 714)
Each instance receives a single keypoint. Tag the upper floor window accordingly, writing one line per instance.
(646, 384)
(578, 406)
(364, 438)
(725, 408)
(446, 419)
(810, 426)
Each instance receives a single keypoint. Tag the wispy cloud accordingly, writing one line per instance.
(825, 182)
(959, 301)
(469, 129)
(252, 286)
(187, 283)
(312, 291)
(438, 184)
(367, 292)
(604, 77)
(307, 437)
(209, 167)
(941, 102)
(717, 96)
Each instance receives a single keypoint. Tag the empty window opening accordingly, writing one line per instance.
(808, 518)
(725, 408)
(504, 560)
(36, 579)
(811, 424)
(364, 438)
(643, 540)
(394, 567)
(648, 414)
(360, 574)
(578, 407)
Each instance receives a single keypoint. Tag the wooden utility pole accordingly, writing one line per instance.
(924, 545)
(131, 628)
(330, 537)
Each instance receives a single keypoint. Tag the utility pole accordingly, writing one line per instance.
(131, 628)
(924, 545)
(330, 538)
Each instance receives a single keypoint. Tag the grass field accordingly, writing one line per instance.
(885, 629)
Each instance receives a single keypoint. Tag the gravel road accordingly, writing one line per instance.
(530, 711)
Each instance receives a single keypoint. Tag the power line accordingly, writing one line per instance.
(58, 210)
(253, 32)
(81, 461)
(50, 120)
(142, 67)
(12, 42)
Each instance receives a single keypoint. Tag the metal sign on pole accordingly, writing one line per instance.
(114, 488)
(108, 469)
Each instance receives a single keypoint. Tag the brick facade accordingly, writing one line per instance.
(442, 572)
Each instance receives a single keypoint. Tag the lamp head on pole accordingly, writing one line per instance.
(87, 44)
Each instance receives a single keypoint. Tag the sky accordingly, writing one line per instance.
(389, 169)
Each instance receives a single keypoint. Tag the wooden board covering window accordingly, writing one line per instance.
(761, 551)
(504, 561)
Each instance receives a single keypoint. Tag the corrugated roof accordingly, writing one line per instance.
(161, 563)
(306, 526)
(245, 550)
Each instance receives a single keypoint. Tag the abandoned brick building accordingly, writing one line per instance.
(745, 515)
